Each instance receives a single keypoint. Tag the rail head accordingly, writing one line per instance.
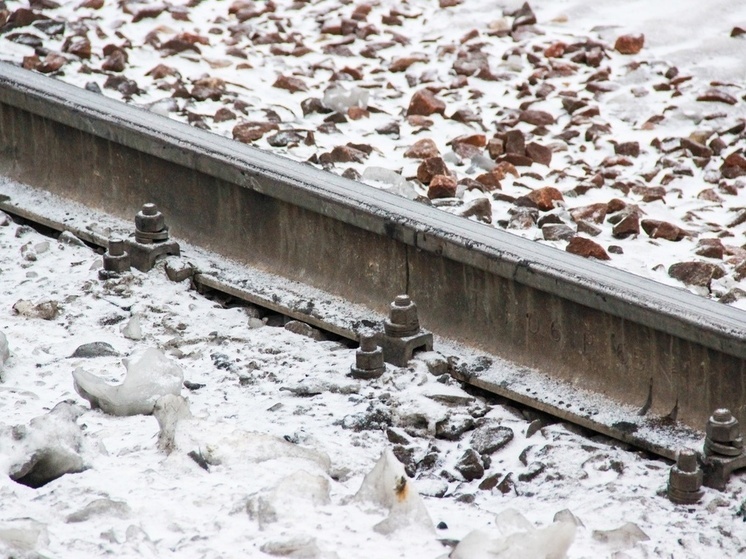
(590, 283)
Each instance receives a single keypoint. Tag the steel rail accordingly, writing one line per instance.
(588, 325)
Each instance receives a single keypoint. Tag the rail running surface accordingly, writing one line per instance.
(663, 351)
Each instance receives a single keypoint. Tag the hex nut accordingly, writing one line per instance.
(403, 320)
(722, 427)
(149, 219)
(685, 481)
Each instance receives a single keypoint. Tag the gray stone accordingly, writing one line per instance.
(436, 363)
(69, 239)
(95, 349)
(557, 232)
(451, 429)
(178, 270)
(491, 438)
(303, 329)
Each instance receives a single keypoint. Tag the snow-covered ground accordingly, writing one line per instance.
(628, 140)
(274, 458)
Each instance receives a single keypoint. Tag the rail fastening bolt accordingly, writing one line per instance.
(722, 427)
(369, 362)
(149, 219)
(403, 320)
(116, 259)
(368, 343)
(116, 247)
(686, 460)
(685, 479)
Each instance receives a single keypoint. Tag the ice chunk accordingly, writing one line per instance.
(48, 448)
(169, 410)
(566, 515)
(100, 507)
(390, 181)
(517, 538)
(24, 534)
(163, 106)
(150, 375)
(388, 486)
(510, 522)
(4, 351)
(132, 330)
(217, 443)
(480, 161)
(289, 499)
(339, 99)
(626, 536)
(299, 546)
(45, 310)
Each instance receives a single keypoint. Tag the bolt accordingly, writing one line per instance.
(402, 301)
(116, 259)
(685, 479)
(403, 321)
(368, 343)
(686, 460)
(149, 209)
(150, 225)
(368, 359)
(722, 427)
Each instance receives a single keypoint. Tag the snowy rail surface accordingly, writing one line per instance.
(649, 347)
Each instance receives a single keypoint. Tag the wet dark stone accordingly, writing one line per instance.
(470, 465)
(534, 471)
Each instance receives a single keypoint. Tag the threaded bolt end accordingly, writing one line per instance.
(686, 460)
(402, 301)
(368, 343)
(722, 415)
(149, 209)
(116, 247)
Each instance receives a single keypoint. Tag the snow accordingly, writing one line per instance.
(272, 455)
